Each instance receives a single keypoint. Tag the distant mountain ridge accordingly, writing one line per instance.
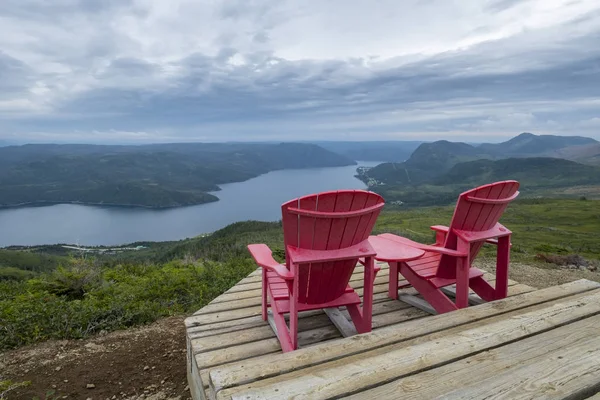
(438, 171)
(530, 171)
(527, 144)
(434, 159)
(155, 176)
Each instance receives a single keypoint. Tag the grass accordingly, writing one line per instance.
(74, 297)
(538, 226)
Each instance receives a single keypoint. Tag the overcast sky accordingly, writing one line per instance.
(217, 70)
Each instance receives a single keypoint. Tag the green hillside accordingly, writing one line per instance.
(168, 175)
(528, 144)
(530, 172)
(114, 292)
(432, 160)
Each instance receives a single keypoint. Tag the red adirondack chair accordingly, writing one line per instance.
(448, 262)
(325, 235)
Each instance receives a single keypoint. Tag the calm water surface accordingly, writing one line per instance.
(255, 199)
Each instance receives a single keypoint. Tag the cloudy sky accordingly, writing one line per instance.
(217, 70)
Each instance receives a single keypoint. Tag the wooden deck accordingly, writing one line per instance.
(535, 344)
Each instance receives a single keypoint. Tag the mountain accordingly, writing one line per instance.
(393, 151)
(431, 160)
(441, 155)
(530, 172)
(426, 162)
(169, 175)
(528, 144)
(588, 154)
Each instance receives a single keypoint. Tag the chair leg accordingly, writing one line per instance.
(281, 329)
(502, 262)
(463, 264)
(265, 284)
(393, 285)
(294, 308)
(434, 296)
(462, 283)
(362, 319)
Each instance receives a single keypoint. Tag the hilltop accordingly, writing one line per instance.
(528, 144)
(436, 172)
(155, 176)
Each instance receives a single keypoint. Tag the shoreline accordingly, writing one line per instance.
(113, 205)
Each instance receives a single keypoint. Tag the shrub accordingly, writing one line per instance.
(80, 300)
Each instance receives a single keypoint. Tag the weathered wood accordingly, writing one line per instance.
(513, 290)
(272, 325)
(474, 370)
(263, 367)
(197, 388)
(570, 372)
(341, 322)
(416, 302)
(249, 341)
(267, 366)
(473, 298)
(354, 373)
(201, 318)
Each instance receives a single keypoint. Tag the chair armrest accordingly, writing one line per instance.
(425, 247)
(306, 256)
(497, 231)
(440, 228)
(264, 258)
(440, 234)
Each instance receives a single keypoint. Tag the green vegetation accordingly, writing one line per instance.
(155, 176)
(7, 386)
(73, 297)
(437, 172)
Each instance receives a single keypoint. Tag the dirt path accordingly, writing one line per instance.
(141, 363)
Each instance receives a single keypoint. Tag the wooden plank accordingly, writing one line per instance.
(200, 318)
(475, 370)
(513, 290)
(345, 327)
(193, 376)
(308, 338)
(264, 367)
(265, 331)
(320, 320)
(272, 325)
(572, 373)
(242, 302)
(355, 373)
(450, 291)
(256, 284)
(418, 302)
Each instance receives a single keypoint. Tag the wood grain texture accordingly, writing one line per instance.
(474, 371)
(355, 373)
(268, 366)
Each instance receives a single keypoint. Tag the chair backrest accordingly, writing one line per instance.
(328, 221)
(477, 210)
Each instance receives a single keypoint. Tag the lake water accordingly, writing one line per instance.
(259, 198)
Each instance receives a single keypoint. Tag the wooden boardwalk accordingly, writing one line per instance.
(535, 344)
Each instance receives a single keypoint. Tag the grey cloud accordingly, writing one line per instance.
(545, 79)
(15, 76)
